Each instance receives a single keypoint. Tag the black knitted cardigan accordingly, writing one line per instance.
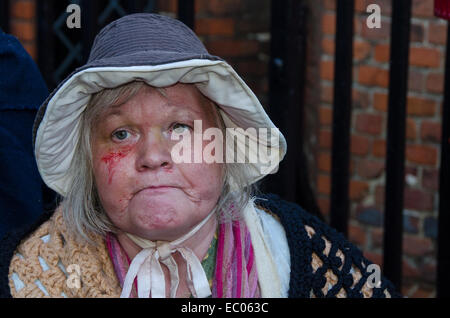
(303, 279)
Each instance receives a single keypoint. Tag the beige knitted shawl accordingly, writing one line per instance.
(47, 262)
(52, 263)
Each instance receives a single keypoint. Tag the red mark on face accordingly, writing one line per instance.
(112, 158)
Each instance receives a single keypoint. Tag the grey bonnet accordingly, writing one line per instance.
(160, 51)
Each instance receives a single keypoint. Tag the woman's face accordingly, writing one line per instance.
(141, 189)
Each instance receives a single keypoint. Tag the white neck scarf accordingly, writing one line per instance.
(150, 277)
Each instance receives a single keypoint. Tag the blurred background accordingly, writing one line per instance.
(285, 51)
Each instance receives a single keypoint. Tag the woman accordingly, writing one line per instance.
(152, 145)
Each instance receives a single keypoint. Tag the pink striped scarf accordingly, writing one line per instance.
(235, 275)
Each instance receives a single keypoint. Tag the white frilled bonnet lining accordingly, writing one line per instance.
(59, 129)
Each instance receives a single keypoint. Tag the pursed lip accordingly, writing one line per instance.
(157, 187)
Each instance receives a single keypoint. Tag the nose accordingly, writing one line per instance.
(153, 152)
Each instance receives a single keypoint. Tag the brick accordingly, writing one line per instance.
(327, 70)
(359, 145)
(411, 130)
(369, 215)
(220, 7)
(324, 162)
(377, 237)
(329, 23)
(324, 184)
(31, 49)
(410, 223)
(382, 33)
(435, 83)
(200, 6)
(329, 4)
(369, 123)
(422, 154)
(233, 48)
(385, 6)
(215, 26)
(357, 235)
(24, 30)
(326, 94)
(419, 106)
(360, 99)
(417, 246)
(431, 131)
(411, 170)
(430, 179)
(358, 190)
(437, 33)
(425, 57)
(370, 169)
(423, 9)
(411, 178)
(373, 76)
(416, 81)
(325, 116)
(374, 257)
(417, 33)
(325, 139)
(428, 271)
(357, 25)
(360, 6)
(422, 293)
(379, 196)
(361, 50)
(382, 53)
(23, 9)
(430, 227)
(409, 269)
(415, 199)
(170, 5)
(380, 101)
(379, 148)
(328, 46)
(324, 205)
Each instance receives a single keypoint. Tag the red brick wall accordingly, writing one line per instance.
(236, 30)
(239, 32)
(23, 24)
(368, 135)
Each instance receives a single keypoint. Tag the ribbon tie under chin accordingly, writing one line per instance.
(146, 266)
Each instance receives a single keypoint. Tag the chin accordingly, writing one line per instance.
(158, 215)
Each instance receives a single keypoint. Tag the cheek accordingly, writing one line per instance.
(205, 179)
(107, 163)
(111, 169)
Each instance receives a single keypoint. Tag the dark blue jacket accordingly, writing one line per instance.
(23, 196)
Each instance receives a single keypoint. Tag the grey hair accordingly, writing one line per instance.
(82, 209)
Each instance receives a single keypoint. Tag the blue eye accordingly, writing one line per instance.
(121, 134)
(180, 128)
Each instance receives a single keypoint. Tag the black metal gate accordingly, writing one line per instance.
(398, 70)
(62, 49)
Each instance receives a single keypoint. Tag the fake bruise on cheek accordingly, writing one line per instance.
(112, 159)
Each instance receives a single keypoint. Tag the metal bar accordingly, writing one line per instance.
(4, 15)
(395, 152)
(186, 12)
(340, 201)
(443, 255)
(286, 101)
(46, 48)
(89, 27)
